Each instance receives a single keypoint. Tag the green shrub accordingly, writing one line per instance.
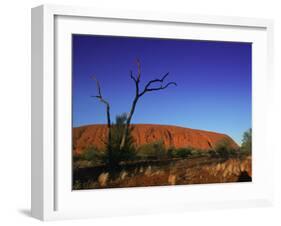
(246, 147)
(93, 155)
(224, 150)
(183, 152)
(76, 158)
(180, 152)
(233, 152)
(155, 150)
(198, 153)
(171, 153)
(213, 154)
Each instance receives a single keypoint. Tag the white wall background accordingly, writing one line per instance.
(15, 111)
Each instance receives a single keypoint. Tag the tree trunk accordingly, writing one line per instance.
(128, 122)
(109, 131)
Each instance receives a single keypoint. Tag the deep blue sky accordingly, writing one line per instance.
(214, 82)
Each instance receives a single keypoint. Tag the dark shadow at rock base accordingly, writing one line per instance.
(244, 177)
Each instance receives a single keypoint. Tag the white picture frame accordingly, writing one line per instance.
(52, 197)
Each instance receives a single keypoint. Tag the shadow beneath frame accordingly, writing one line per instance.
(26, 212)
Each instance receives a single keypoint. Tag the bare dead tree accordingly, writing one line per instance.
(148, 88)
(102, 100)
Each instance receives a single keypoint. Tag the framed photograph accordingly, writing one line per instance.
(137, 112)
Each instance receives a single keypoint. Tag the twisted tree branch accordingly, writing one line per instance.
(147, 88)
(161, 81)
(99, 96)
(101, 99)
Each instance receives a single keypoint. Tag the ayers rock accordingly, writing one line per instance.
(172, 136)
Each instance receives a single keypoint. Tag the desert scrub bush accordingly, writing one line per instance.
(233, 153)
(155, 150)
(224, 150)
(90, 154)
(246, 147)
(182, 152)
(171, 152)
(198, 153)
(213, 154)
(76, 157)
(93, 155)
